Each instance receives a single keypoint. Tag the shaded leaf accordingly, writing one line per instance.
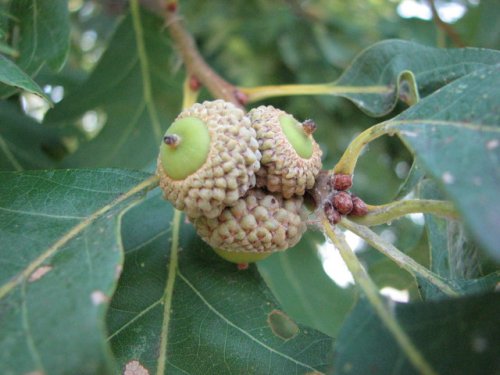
(457, 141)
(297, 279)
(43, 33)
(12, 75)
(22, 140)
(219, 316)
(386, 65)
(452, 255)
(457, 336)
(59, 258)
(114, 94)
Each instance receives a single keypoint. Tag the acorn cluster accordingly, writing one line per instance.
(240, 178)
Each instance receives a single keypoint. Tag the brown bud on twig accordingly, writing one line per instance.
(194, 83)
(343, 203)
(342, 181)
(331, 213)
(309, 126)
(171, 6)
(241, 97)
(359, 207)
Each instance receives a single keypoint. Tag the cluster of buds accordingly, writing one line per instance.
(340, 201)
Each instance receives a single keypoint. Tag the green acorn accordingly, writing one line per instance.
(208, 158)
(258, 225)
(291, 158)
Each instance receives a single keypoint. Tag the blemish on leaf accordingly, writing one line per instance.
(492, 144)
(135, 368)
(118, 270)
(281, 325)
(98, 297)
(448, 178)
(38, 273)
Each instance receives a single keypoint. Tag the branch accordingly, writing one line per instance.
(448, 29)
(369, 288)
(388, 212)
(400, 258)
(196, 64)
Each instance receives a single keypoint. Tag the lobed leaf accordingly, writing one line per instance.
(297, 279)
(392, 67)
(60, 259)
(221, 320)
(457, 141)
(457, 336)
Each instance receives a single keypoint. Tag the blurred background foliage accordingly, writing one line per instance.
(257, 42)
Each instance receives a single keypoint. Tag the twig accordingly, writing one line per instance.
(388, 212)
(447, 28)
(196, 64)
(401, 259)
(369, 288)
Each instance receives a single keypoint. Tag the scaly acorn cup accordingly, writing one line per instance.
(291, 159)
(259, 224)
(208, 158)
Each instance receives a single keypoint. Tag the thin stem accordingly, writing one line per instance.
(263, 92)
(169, 290)
(388, 212)
(196, 64)
(349, 158)
(143, 60)
(447, 28)
(190, 96)
(364, 281)
(401, 259)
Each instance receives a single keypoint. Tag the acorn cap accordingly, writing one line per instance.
(258, 225)
(208, 158)
(291, 158)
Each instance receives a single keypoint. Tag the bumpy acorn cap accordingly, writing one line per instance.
(259, 224)
(208, 158)
(291, 158)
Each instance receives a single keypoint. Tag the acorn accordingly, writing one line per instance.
(291, 158)
(208, 158)
(259, 224)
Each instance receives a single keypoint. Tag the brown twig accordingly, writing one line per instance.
(196, 64)
(447, 28)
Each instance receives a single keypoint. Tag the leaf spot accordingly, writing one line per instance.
(448, 178)
(118, 271)
(98, 297)
(493, 144)
(281, 325)
(38, 273)
(135, 368)
(409, 133)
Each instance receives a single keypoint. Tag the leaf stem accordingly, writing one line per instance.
(388, 212)
(400, 258)
(143, 60)
(349, 158)
(381, 309)
(169, 290)
(263, 92)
